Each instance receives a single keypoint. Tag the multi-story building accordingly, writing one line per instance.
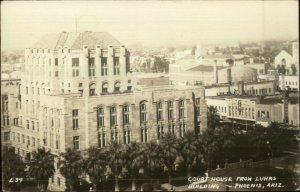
(248, 110)
(288, 58)
(288, 82)
(77, 92)
(10, 104)
(249, 88)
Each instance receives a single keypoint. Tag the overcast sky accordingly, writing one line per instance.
(151, 23)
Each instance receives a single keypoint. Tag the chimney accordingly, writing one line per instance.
(229, 80)
(216, 72)
(241, 88)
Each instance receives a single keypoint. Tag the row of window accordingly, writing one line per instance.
(289, 83)
(32, 125)
(38, 90)
(263, 114)
(241, 111)
(33, 107)
(126, 114)
(117, 85)
(127, 135)
(23, 139)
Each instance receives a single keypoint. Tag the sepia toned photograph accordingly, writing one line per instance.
(128, 96)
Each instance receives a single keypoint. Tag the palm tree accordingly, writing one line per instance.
(188, 149)
(227, 137)
(12, 167)
(116, 161)
(41, 167)
(153, 158)
(95, 165)
(212, 117)
(169, 145)
(70, 166)
(210, 145)
(135, 161)
(259, 140)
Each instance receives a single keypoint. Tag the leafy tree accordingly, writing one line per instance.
(135, 160)
(70, 166)
(41, 167)
(12, 167)
(169, 145)
(95, 165)
(116, 161)
(188, 149)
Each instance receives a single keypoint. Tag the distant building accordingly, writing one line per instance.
(288, 58)
(249, 110)
(10, 106)
(241, 88)
(289, 82)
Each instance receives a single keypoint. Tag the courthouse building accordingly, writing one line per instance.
(77, 92)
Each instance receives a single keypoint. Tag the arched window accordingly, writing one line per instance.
(105, 87)
(117, 86)
(283, 61)
(92, 89)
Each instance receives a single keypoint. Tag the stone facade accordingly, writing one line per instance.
(77, 92)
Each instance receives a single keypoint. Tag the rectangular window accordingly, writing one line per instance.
(101, 139)
(32, 124)
(27, 124)
(15, 121)
(104, 66)
(113, 116)
(91, 67)
(6, 136)
(57, 142)
(116, 66)
(13, 136)
(23, 138)
(75, 118)
(76, 142)
(126, 135)
(75, 67)
(56, 61)
(144, 134)
(100, 117)
(170, 114)
(56, 73)
(125, 114)
(197, 101)
(114, 135)
(18, 137)
(160, 131)
(33, 141)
